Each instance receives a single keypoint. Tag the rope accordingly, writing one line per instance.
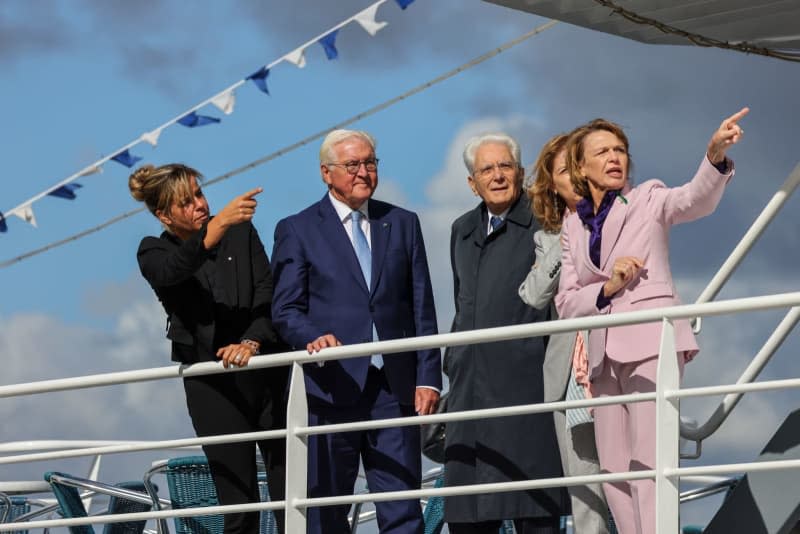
(697, 39)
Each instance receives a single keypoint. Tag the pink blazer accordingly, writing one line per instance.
(637, 228)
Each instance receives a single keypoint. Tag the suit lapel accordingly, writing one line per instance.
(581, 243)
(478, 230)
(335, 235)
(380, 229)
(612, 228)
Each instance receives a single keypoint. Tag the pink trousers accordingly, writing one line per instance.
(626, 441)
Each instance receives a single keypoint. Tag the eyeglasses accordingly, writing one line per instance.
(505, 167)
(352, 166)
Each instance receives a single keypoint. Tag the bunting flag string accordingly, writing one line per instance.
(224, 100)
(329, 44)
(193, 120)
(294, 146)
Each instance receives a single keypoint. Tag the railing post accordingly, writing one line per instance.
(296, 451)
(667, 434)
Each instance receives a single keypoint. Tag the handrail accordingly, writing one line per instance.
(501, 333)
(664, 396)
(748, 240)
(425, 419)
(417, 494)
(752, 371)
(61, 444)
(726, 406)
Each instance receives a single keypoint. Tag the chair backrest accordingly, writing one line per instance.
(267, 523)
(433, 515)
(120, 505)
(191, 486)
(11, 508)
(71, 504)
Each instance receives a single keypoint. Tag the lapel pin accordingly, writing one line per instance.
(385, 224)
(622, 198)
(230, 258)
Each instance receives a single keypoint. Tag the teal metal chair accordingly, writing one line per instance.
(191, 486)
(11, 508)
(125, 497)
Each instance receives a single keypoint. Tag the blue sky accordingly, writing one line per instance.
(83, 78)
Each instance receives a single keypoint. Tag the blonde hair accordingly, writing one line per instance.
(160, 187)
(546, 204)
(575, 151)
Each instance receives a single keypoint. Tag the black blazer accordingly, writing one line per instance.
(212, 297)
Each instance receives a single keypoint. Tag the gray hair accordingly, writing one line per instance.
(491, 138)
(338, 136)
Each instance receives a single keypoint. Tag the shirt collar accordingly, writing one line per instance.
(344, 211)
(501, 215)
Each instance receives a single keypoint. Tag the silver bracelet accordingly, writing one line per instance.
(255, 345)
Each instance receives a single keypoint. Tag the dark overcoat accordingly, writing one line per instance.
(487, 272)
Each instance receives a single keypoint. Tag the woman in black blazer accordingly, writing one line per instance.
(213, 278)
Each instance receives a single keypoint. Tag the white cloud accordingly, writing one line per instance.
(38, 347)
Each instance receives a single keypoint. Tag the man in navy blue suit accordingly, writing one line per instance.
(349, 269)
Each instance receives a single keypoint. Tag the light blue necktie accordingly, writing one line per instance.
(364, 255)
(495, 222)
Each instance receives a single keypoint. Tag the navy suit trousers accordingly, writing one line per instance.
(391, 459)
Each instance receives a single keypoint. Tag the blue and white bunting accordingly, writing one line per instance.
(297, 57)
(259, 78)
(66, 191)
(26, 214)
(366, 19)
(193, 120)
(151, 137)
(329, 44)
(95, 169)
(126, 158)
(225, 101)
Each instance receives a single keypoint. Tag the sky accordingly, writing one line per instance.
(83, 78)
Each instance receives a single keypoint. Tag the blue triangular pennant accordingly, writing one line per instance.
(126, 158)
(191, 120)
(3, 226)
(259, 78)
(404, 3)
(65, 191)
(328, 42)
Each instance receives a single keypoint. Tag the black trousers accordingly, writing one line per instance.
(233, 403)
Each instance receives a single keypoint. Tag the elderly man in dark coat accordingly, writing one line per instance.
(491, 252)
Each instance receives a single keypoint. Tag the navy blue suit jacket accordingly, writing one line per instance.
(319, 289)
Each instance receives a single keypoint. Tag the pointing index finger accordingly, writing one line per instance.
(736, 117)
(250, 194)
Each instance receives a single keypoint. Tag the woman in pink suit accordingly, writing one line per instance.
(615, 258)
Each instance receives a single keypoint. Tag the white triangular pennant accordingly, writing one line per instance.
(298, 57)
(367, 20)
(26, 214)
(151, 137)
(94, 170)
(225, 102)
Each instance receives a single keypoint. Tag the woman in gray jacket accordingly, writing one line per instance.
(551, 198)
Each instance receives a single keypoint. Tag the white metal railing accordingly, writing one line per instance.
(666, 473)
(726, 406)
